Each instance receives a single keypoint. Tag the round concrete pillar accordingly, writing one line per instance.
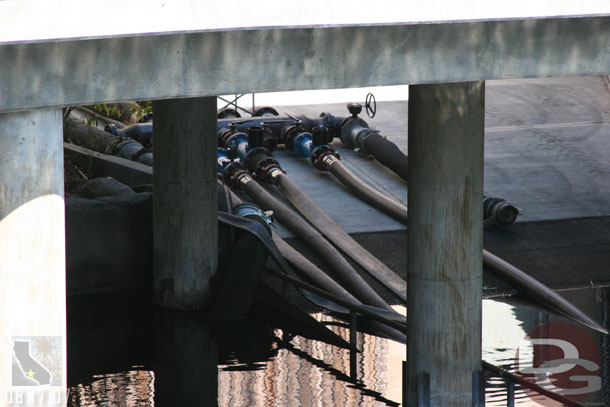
(184, 203)
(445, 240)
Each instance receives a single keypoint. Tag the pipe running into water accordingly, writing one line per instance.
(496, 265)
(237, 176)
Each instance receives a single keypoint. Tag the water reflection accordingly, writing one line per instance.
(542, 339)
(185, 360)
(122, 353)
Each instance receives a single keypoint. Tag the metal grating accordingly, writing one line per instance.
(564, 254)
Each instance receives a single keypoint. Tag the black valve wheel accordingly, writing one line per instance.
(371, 105)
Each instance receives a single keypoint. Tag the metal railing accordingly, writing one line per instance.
(235, 104)
(423, 379)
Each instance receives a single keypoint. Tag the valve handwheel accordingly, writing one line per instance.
(371, 105)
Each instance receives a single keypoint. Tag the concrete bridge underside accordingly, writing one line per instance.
(447, 60)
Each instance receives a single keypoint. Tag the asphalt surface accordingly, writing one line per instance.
(546, 151)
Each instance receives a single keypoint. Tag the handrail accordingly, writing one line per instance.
(512, 378)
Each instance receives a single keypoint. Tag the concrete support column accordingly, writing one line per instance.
(445, 239)
(32, 257)
(185, 203)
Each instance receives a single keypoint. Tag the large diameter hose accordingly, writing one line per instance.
(536, 289)
(317, 217)
(387, 153)
(368, 194)
(343, 270)
(310, 270)
(323, 281)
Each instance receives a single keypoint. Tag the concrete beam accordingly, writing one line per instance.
(445, 239)
(193, 64)
(32, 252)
(185, 203)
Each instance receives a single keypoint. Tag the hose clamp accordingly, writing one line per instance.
(251, 211)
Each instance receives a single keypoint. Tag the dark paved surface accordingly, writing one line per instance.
(547, 149)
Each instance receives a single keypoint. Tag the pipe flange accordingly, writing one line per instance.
(329, 122)
(265, 111)
(228, 113)
(361, 139)
(232, 173)
(318, 154)
(265, 172)
(347, 126)
(289, 134)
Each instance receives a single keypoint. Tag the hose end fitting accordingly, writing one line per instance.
(260, 161)
(500, 211)
(318, 155)
(233, 172)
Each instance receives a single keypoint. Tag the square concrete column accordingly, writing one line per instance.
(32, 258)
(444, 284)
(185, 202)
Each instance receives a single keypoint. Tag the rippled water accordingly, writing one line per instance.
(275, 368)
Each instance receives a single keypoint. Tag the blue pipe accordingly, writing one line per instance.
(222, 159)
(303, 144)
(238, 142)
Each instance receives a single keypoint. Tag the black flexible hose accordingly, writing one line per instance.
(320, 278)
(368, 194)
(310, 270)
(317, 217)
(343, 270)
(536, 289)
(387, 153)
(323, 281)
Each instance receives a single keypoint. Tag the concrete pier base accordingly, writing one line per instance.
(186, 361)
(32, 256)
(185, 203)
(445, 240)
